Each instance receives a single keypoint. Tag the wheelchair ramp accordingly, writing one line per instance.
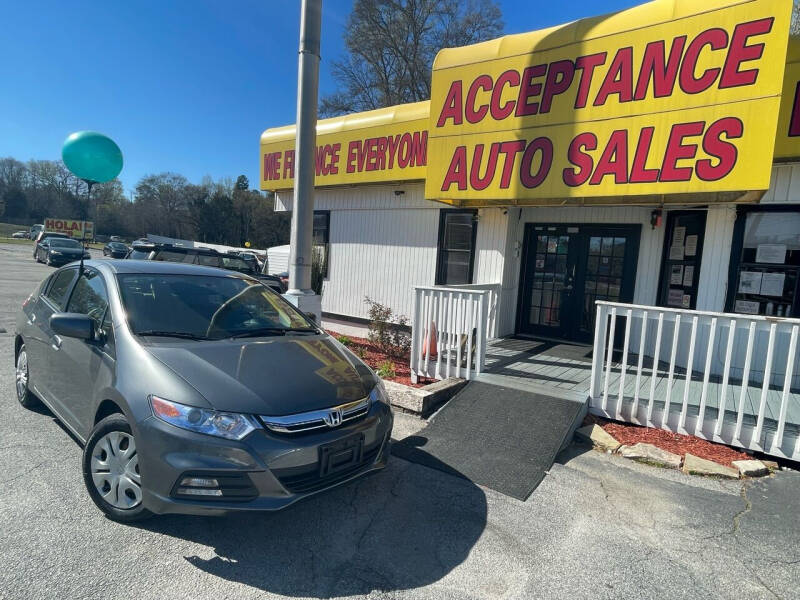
(498, 434)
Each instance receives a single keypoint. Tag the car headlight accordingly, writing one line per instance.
(233, 426)
(378, 393)
(55, 253)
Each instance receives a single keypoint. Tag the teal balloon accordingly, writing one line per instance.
(92, 156)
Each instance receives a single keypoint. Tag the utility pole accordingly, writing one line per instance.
(300, 293)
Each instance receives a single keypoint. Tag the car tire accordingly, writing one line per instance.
(22, 378)
(111, 475)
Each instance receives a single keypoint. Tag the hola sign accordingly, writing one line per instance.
(76, 229)
(686, 103)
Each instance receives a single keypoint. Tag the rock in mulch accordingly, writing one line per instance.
(647, 453)
(771, 465)
(699, 466)
(751, 468)
(599, 437)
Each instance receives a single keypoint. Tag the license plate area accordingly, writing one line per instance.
(341, 455)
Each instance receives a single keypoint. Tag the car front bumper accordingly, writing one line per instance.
(264, 471)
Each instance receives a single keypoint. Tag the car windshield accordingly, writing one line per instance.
(205, 307)
(118, 246)
(235, 263)
(139, 253)
(63, 243)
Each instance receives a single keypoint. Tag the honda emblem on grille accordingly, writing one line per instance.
(333, 418)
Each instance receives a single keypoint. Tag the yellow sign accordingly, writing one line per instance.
(673, 96)
(378, 146)
(79, 230)
(787, 139)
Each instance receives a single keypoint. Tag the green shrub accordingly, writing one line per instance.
(361, 352)
(344, 340)
(386, 370)
(388, 331)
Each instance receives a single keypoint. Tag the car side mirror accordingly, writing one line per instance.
(74, 325)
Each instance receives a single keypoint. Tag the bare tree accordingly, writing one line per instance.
(794, 26)
(390, 47)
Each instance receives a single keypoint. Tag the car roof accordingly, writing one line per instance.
(158, 267)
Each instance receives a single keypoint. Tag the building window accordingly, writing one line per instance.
(765, 262)
(321, 236)
(680, 263)
(456, 252)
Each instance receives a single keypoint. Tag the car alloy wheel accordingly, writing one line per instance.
(22, 377)
(111, 470)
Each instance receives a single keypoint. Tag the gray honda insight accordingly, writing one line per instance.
(195, 390)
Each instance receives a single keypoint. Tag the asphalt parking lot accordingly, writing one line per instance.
(597, 527)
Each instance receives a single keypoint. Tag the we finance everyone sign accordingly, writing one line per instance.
(669, 97)
(379, 146)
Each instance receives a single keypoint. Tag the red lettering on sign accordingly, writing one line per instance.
(716, 39)
(559, 77)
(619, 79)
(288, 164)
(472, 113)
(510, 78)
(577, 156)
(677, 150)
(662, 71)
(540, 145)
(477, 182)
(529, 89)
(639, 172)
(452, 105)
(457, 171)
(614, 160)
(587, 64)
(510, 149)
(714, 145)
(740, 52)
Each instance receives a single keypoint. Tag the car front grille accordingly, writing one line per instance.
(317, 419)
(305, 480)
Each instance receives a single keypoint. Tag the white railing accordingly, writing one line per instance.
(677, 367)
(450, 328)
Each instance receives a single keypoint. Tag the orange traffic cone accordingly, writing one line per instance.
(429, 346)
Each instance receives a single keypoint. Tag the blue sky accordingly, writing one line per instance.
(183, 86)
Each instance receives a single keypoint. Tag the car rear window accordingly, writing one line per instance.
(59, 287)
(64, 243)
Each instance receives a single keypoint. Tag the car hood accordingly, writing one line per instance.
(267, 376)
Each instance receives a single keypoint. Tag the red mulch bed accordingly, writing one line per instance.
(626, 433)
(374, 357)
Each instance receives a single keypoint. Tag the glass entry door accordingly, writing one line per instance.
(565, 268)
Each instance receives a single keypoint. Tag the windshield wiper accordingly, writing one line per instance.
(265, 331)
(177, 334)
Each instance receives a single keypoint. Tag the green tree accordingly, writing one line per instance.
(390, 46)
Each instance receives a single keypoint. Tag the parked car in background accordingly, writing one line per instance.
(35, 230)
(58, 251)
(160, 370)
(115, 250)
(284, 277)
(115, 238)
(209, 257)
(140, 250)
(20, 235)
(43, 235)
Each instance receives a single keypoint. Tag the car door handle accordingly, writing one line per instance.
(56, 343)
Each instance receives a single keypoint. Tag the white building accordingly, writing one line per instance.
(395, 217)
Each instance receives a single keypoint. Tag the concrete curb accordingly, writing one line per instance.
(425, 400)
